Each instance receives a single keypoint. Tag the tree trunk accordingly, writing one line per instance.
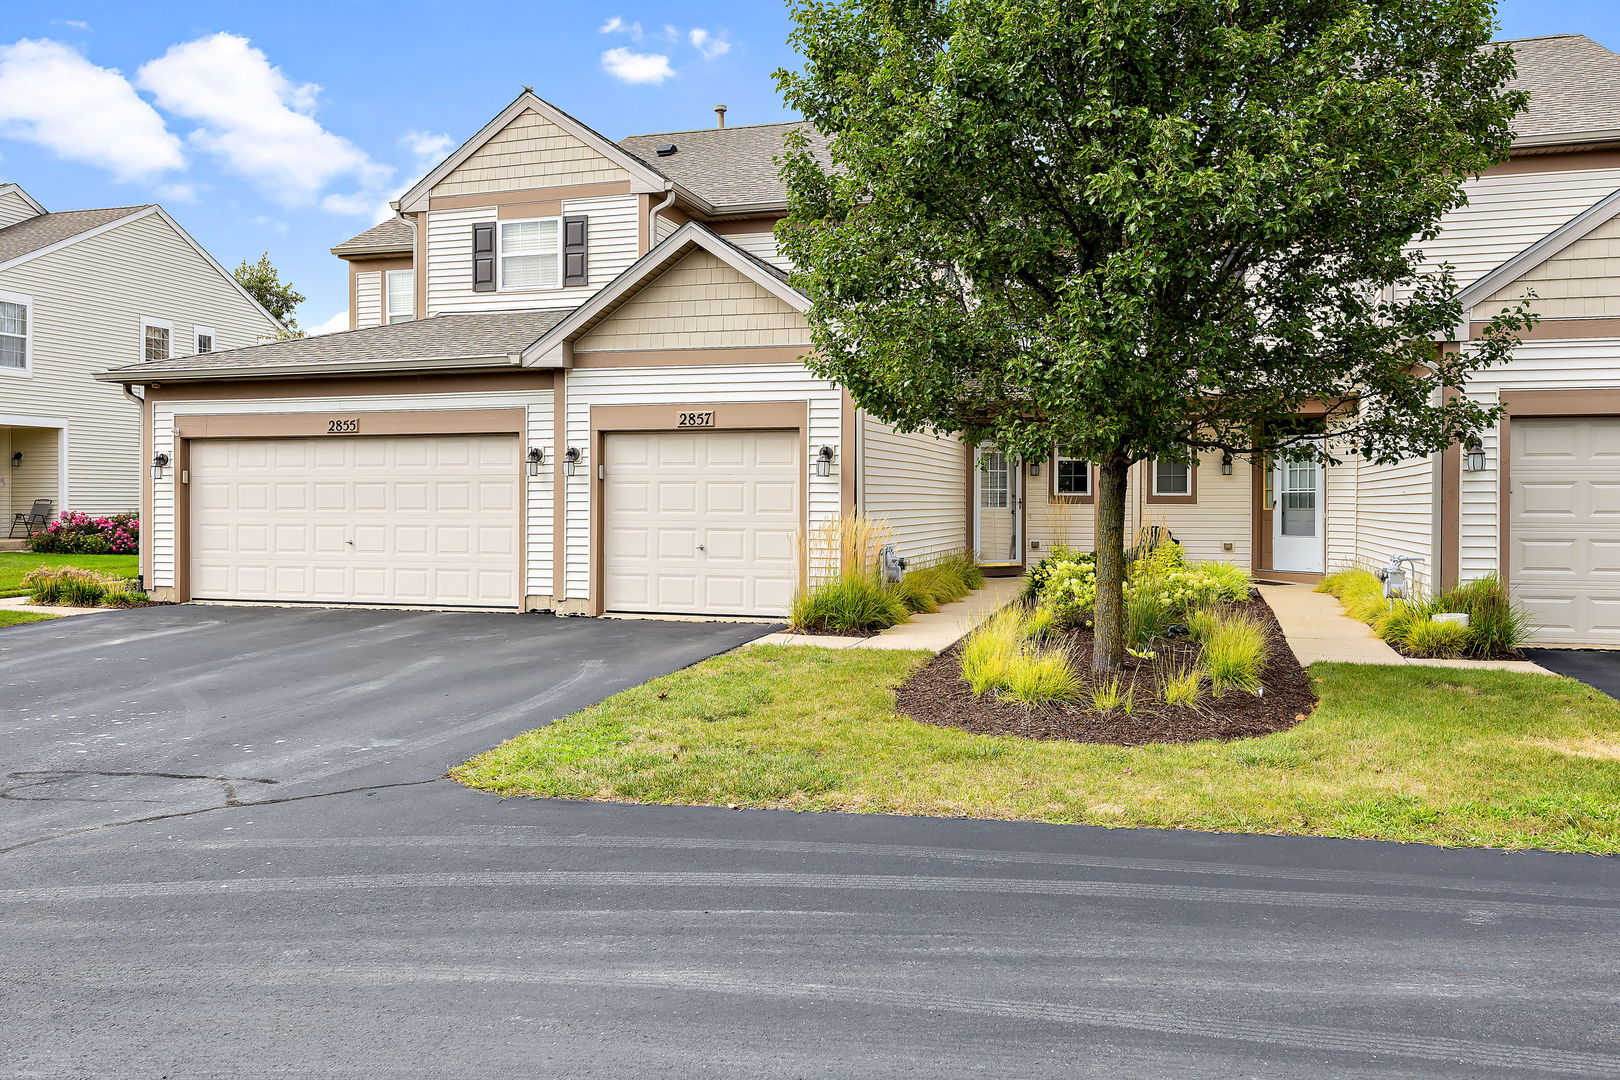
(1108, 648)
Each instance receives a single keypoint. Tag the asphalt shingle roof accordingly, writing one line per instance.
(733, 166)
(442, 337)
(31, 234)
(1574, 85)
(392, 235)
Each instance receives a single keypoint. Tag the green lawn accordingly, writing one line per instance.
(1435, 755)
(15, 564)
(13, 618)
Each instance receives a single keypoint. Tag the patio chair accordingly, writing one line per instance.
(34, 520)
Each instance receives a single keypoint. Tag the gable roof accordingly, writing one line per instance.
(35, 235)
(1547, 247)
(17, 190)
(642, 176)
(732, 168)
(650, 266)
(395, 234)
(1574, 86)
(472, 340)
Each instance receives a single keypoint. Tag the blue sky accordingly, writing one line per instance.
(286, 127)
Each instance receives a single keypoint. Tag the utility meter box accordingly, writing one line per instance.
(893, 566)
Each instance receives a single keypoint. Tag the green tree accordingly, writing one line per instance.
(263, 282)
(1140, 229)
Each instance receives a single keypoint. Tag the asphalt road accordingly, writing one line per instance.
(358, 917)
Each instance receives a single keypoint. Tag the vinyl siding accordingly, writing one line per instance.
(914, 482)
(700, 302)
(761, 245)
(612, 247)
(538, 505)
(689, 386)
(1394, 515)
(367, 298)
(1506, 214)
(1582, 281)
(14, 208)
(88, 301)
(529, 152)
(1536, 365)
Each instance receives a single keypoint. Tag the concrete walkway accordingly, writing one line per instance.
(20, 603)
(935, 632)
(1317, 629)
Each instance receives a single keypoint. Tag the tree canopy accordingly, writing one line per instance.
(1139, 229)
(263, 282)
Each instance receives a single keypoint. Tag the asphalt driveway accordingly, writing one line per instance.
(229, 856)
(1598, 668)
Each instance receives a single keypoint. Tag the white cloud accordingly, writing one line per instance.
(427, 145)
(617, 25)
(337, 322)
(52, 96)
(177, 192)
(634, 67)
(77, 24)
(260, 124)
(709, 45)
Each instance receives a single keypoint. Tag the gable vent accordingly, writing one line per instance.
(666, 149)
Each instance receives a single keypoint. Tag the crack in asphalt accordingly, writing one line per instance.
(47, 777)
(230, 804)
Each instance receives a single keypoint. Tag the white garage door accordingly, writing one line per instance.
(1564, 550)
(702, 522)
(430, 520)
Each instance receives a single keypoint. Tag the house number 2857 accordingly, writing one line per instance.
(694, 419)
(342, 427)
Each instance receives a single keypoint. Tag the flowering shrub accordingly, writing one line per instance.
(77, 533)
(1070, 591)
(1175, 586)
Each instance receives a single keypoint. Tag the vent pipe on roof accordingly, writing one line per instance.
(719, 116)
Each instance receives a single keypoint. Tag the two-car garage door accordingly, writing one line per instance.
(429, 520)
(1564, 527)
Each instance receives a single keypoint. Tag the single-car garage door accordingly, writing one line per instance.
(1564, 547)
(701, 522)
(429, 520)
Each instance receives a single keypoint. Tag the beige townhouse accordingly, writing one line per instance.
(574, 383)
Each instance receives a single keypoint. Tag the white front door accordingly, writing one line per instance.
(428, 520)
(1296, 517)
(701, 523)
(998, 533)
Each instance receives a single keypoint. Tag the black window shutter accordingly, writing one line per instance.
(575, 270)
(484, 256)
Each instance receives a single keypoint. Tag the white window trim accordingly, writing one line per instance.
(196, 345)
(156, 324)
(500, 260)
(1171, 494)
(27, 302)
(1058, 457)
(387, 293)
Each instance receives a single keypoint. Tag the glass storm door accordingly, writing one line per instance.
(1296, 517)
(996, 531)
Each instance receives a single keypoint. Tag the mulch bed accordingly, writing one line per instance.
(937, 694)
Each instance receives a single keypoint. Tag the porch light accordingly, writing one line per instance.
(537, 458)
(16, 460)
(1034, 468)
(1476, 456)
(824, 461)
(1226, 464)
(160, 461)
(571, 458)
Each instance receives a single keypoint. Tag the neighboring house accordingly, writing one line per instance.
(599, 404)
(81, 290)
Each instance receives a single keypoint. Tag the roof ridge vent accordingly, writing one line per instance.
(665, 149)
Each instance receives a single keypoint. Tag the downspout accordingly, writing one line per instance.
(652, 216)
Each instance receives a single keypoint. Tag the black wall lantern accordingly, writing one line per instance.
(1226, 464)
(16, 459)
(571, 458)
(160, 461)
(824, 461)
(537, 458)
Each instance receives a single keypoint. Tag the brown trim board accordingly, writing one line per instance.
(355, 386)
(728, 416)
(478, 200)
(701, 357)
(1562, 329)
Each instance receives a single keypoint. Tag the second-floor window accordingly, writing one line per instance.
(530, 254)
(400, 294)
(14, 332)
(205, 339)
(156, 338)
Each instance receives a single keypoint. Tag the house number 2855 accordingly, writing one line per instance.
(342, 427)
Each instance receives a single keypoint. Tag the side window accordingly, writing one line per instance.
(1070, 475)
(156, 340)
(16, 332)
(1171, 478)
(399, 293)
(205, 339)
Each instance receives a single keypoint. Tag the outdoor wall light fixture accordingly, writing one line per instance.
(16, 459)
(160, 462)
(1226, 464)
(1034, 468)
(571, 458)
(824, 461)
(1476, 455)
(537, 458)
